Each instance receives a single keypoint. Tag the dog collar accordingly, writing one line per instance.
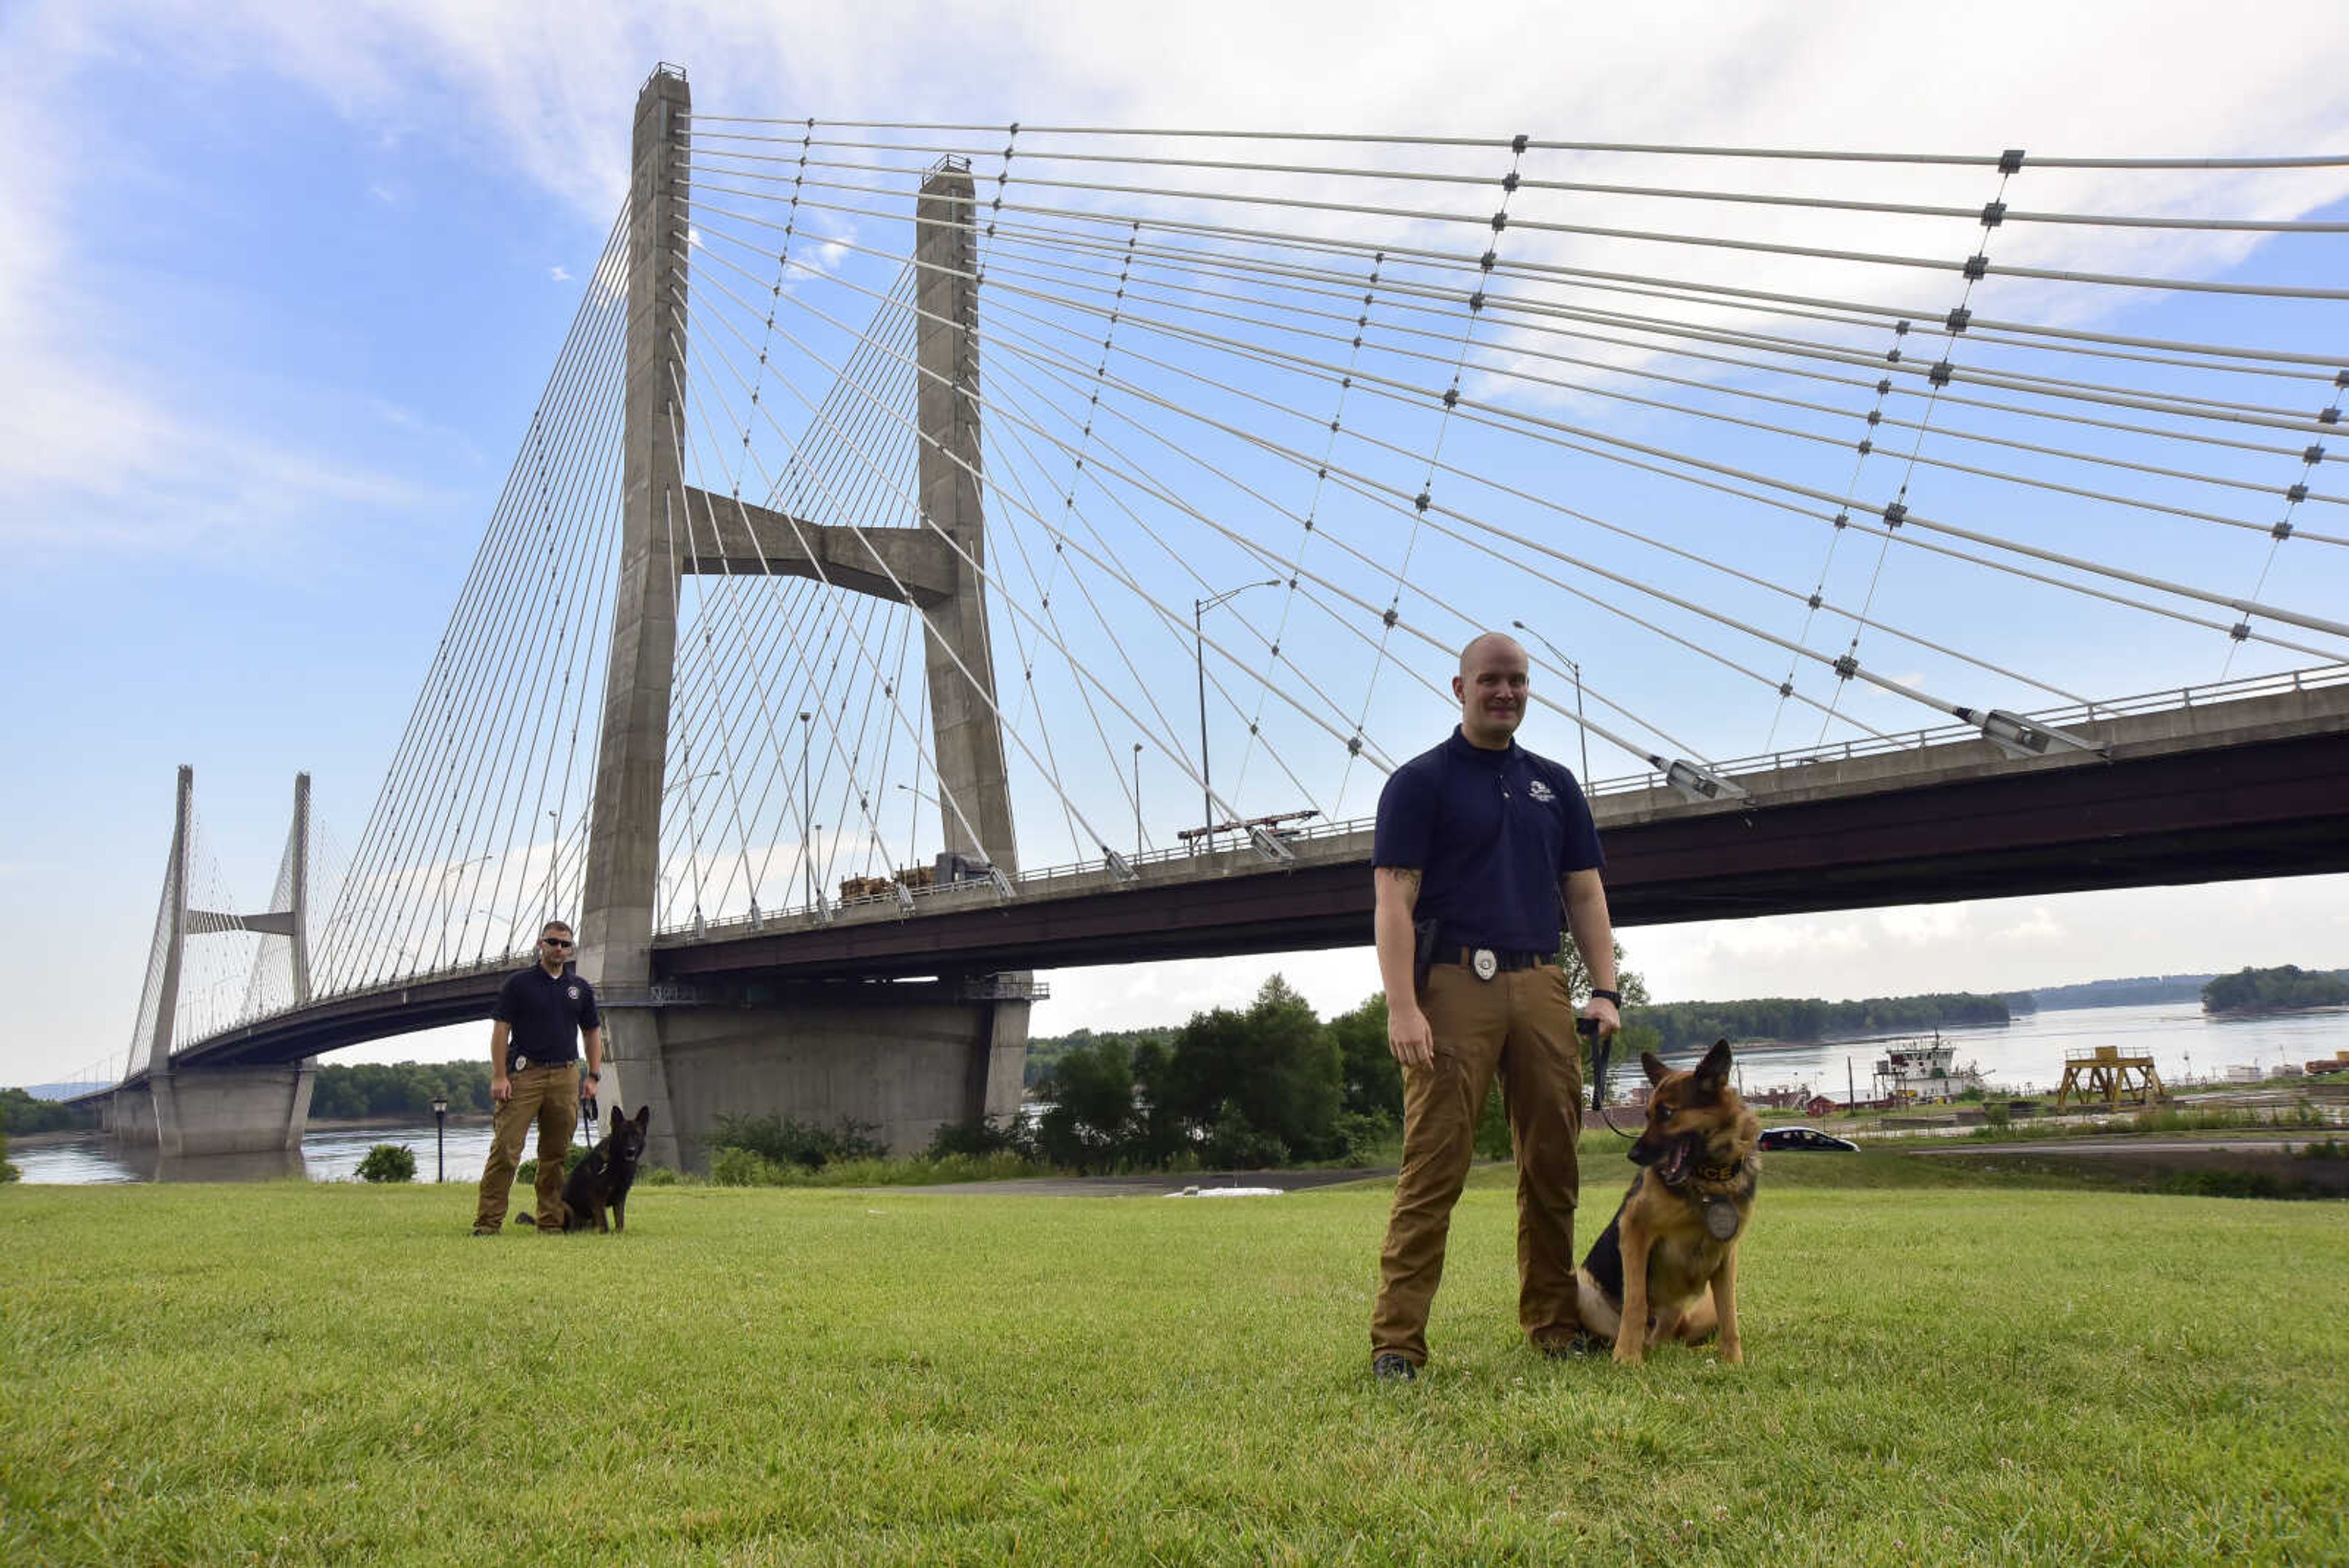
(1719, 1172)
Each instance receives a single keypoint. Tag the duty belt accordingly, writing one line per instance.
(518, 1063)
(1486, 963)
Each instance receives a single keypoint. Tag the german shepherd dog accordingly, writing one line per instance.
(598, 1185)
(1645, 1281)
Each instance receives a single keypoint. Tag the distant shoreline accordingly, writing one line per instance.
(2232, 1013)
(316, 1124)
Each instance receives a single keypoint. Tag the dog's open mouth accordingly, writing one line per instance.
(1675, 1168)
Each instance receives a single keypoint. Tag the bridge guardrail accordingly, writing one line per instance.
(2178, 698)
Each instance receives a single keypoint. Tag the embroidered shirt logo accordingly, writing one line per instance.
(1541, 791)
(572, 991)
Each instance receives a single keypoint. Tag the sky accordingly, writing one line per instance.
(282, 283)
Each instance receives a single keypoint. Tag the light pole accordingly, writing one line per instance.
(807, 811)
(441, 1135)
(553, 856)
(922, 800)
(1583, 729)
(440, 945)
(1199, 608)
(1137, 800)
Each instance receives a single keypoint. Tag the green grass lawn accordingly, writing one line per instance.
(1965, 1373)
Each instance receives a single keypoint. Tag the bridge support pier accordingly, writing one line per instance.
(902, 1059)
(907, 1059)
(188, 1111)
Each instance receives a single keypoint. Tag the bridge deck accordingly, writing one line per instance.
(2197, 792)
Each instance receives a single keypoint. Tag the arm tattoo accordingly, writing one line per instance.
(1405, 880)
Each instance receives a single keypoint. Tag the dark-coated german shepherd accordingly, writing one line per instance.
(1676, 1235)
(598, 1185)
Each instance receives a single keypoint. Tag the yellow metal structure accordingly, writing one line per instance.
(2105, 1074)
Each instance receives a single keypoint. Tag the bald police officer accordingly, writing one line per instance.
(1479, 842)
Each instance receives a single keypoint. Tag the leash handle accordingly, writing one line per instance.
(1599, 1051)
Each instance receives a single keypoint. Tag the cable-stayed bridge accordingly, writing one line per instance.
(942, 551)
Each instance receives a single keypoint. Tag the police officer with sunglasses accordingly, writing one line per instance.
(542, 1016)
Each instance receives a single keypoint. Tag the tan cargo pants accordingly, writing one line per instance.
(550, 1096)
(1521, 1023)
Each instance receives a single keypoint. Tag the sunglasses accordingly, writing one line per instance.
(556, 941)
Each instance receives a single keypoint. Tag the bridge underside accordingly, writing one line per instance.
(2270, 808)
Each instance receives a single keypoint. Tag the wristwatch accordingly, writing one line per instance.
(1614, 996)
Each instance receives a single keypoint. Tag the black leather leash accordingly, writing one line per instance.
(1599, 1050)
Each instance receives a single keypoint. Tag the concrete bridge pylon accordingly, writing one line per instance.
(905, 1059)
(208, 1110)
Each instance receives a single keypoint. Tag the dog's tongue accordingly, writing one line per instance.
(1676, 1162)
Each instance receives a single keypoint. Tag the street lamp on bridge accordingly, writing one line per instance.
(1199, 608)
(1583, 729)
(807, 810)
(1137, 799)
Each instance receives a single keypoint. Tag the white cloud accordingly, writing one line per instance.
(559, 273)
(1920, 924)
(2037, 927)
(101, 452)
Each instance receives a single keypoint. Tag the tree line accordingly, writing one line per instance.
(21, 1114)
(359, 1092)
(1241, 1088)
(1686, 1025)
(368, 1090)
(1272, 1083)
(2273, 990)
(1267, 1084)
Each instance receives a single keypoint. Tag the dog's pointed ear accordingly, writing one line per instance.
(1653, 1066)
(1714, 1071)
(644, 1117)
(618, 1116)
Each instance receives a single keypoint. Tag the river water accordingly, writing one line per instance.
(2026, 1055)
(328, 1154)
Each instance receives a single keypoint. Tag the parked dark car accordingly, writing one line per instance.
(1805, 1138)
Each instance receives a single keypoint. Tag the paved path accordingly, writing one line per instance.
(1153, 1185)
(2124, 1146)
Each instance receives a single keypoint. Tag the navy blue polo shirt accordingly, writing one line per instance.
(1490, 834)
(546, 1013)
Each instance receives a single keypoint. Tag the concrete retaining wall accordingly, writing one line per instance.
(907, 1069)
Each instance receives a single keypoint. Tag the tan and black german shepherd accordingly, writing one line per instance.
(1675, 1238)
